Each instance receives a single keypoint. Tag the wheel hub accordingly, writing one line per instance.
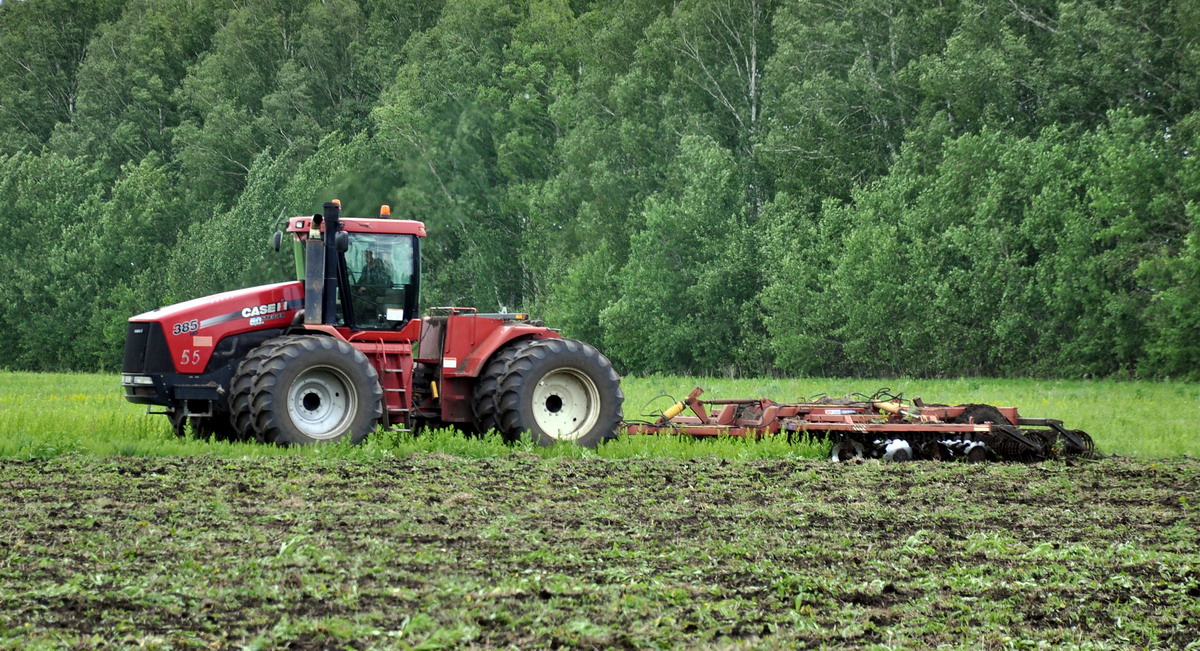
(566, 404)
(321, 402)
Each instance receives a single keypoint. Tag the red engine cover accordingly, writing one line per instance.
(194, 327)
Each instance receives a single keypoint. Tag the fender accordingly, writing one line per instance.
(472, 365)
(471, 340)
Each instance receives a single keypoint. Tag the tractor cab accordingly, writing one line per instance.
(369, 279)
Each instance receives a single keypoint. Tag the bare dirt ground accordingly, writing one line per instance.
(439, 550)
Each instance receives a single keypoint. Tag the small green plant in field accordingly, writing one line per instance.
(441, 550)
(118, 533)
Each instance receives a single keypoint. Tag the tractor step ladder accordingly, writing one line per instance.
(391, 382)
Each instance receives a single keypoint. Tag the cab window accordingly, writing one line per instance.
(381, 274)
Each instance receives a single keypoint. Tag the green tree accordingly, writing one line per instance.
(612, 150)
(1173, 313)
(46, 196)
(802, 311)
(681, 300)
(126, 110)
(1010, 256)
(112, 266)
(280, 75)
(42, 45)
(465, 122)
(840, 91)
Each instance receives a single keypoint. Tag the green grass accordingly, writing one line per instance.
(46, 415)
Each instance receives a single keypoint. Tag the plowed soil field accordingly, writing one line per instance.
(437, 550)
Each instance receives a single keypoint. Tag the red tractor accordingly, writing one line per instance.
(341, 351)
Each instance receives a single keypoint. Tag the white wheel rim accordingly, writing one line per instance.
(321, 402)
(566, 404)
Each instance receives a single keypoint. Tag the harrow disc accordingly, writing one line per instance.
(898, 450)
(846, 449)
(975, 452)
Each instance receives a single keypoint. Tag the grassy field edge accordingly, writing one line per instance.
(45, 415)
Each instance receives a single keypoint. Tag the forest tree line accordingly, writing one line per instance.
(809, 187)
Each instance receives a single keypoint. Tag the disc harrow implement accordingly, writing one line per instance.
(880, 426)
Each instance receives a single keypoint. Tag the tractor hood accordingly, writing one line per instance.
(241, 304)
(193, 328)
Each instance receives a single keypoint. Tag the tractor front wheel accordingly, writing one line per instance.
(560, 390)
(241, 389)
(315, 388)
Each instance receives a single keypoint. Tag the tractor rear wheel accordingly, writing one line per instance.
(241, 389)
(316, 388)
(487, 389)
(560, 390)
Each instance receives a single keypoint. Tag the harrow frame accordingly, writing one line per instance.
(873, 426)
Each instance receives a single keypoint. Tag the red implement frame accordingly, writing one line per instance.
(759, 417)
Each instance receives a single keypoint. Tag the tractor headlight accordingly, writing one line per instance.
(144, 380)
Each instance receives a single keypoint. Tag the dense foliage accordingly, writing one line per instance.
(869, 187)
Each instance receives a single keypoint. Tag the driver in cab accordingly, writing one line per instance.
(377, 273)
(373, 283)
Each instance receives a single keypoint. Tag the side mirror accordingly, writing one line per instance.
(277, 240)
(341, 241)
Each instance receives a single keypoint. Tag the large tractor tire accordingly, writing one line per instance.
(202, 427)
(487, 390)
(315, 388)
(560, 390)
(241, 389)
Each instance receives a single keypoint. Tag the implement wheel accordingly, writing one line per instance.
(846, 449)
(560, 390)
(315, 388)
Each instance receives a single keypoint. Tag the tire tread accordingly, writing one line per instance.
(484, 400)
(241, 389)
